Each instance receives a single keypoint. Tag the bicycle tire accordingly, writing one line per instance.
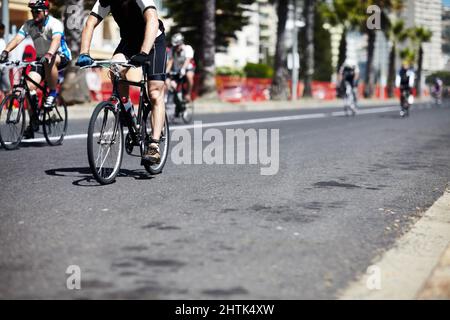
(54, 119)
(164, 147)
(104, 175)
(6, 109)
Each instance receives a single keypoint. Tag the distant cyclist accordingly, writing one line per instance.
(348, 81)
(52, 51)
(405, 81)
(437, 90)
(181, 59)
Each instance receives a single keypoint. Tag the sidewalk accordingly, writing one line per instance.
(438, 285)
(84, 111)
(417, 266)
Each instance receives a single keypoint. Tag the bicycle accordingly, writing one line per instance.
(350, 99)
(12, 112)
(105, 144)
(175, 96)
(405, 101)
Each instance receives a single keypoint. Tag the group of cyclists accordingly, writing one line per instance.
(143, 44)
(405, 81)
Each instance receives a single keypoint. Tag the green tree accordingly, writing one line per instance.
(187, 15)
(397, 34)
(323, 68)
(420, 35)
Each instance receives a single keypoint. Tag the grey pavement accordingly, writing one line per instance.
(346, 191)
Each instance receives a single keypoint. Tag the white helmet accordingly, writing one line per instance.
(350, 63)
(177, 39)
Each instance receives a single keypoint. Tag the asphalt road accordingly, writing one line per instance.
(346, 189)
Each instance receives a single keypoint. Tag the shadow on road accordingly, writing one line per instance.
(84, 176)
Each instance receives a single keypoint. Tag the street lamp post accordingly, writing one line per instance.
(294, 54)
(5, 17)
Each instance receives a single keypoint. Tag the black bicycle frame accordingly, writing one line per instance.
(143, 110)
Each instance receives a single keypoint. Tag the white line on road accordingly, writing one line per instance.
(247, 122)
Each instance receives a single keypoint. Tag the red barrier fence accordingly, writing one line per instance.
(237, 89)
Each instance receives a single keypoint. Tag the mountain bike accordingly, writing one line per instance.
(12, 112)
(175, 99)
(106, 143)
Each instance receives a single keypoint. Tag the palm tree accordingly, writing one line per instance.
(397, 34)
(208, 70)
(337, 13)
(310, 9)
(420, 36)
(408, 55)
(278, 90)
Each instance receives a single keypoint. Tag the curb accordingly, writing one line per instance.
(404, 271)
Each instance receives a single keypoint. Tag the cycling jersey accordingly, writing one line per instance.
(42, 36)
(405, 78)
(129, 15)
(179, 57)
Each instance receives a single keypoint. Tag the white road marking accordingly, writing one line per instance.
(249, 121)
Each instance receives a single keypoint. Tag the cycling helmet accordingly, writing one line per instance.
(350, 63)
(39, 4)
(177, 39)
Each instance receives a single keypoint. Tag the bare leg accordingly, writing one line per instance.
(156, 93)
(51, 72)
(190, 80)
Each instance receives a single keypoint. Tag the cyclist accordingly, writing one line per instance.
(348, 78)
(405, 81)
(143, 43)
(437, 90)
(181, 59)
(52, 51)
(4, 74)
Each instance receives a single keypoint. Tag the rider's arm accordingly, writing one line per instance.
(96, 16)
(189, 53)
(14, 42)
(88, 32)
(397, 81)
(151, 28)
(56, 43)
(412, 79)
(169, 65)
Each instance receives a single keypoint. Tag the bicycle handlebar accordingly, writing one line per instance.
(19, 64)
(108, 64)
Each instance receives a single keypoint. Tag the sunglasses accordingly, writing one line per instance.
(36, 11)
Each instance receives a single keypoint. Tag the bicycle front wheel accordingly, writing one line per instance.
(12, 122)
(105, 143)
(55, 123)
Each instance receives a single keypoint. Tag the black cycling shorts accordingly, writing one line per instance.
(156, 71)
(41, 70)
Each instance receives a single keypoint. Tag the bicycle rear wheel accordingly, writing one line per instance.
(164, 144)
(55, 123)
(12, 122)
(105, 143)
(188, 113)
